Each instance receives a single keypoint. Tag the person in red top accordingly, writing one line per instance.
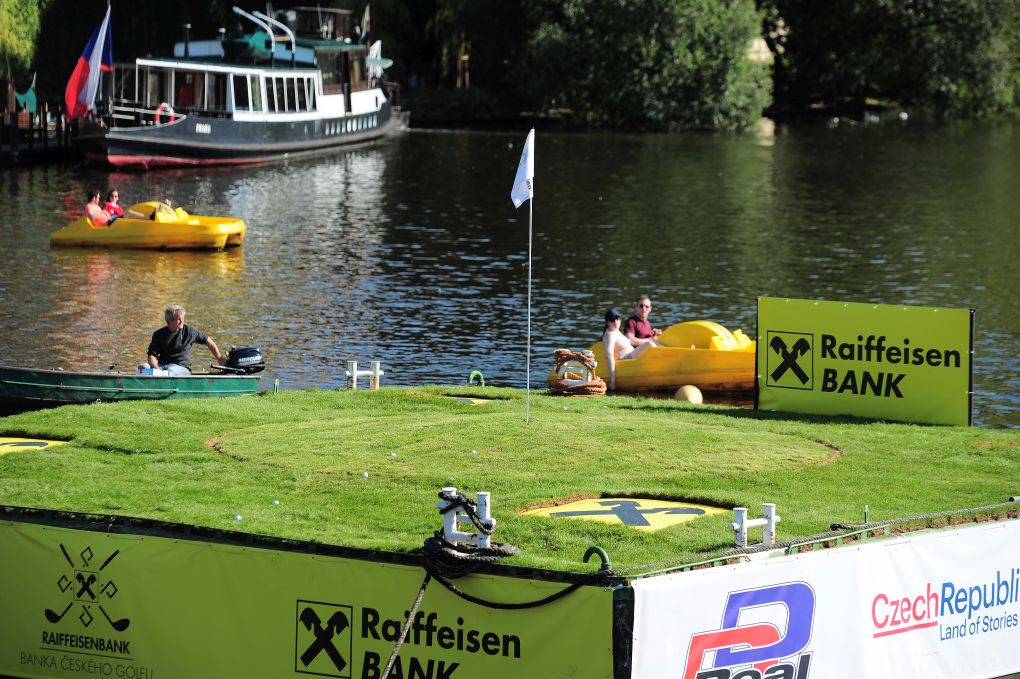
(97, 215)
(112, 205)
(637, 328)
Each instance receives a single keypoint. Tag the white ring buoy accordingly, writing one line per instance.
(162, 109)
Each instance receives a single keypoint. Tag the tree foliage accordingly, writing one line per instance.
(19, 26)
(613, 63)
(650, 63)
(955, 57)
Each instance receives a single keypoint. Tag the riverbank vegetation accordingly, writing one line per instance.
(362, 468)
(618, 64)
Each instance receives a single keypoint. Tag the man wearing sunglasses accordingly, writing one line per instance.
(637, 328)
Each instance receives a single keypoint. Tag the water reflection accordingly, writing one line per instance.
(102, 305)
(409, 252)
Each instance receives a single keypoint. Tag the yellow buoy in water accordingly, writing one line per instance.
(689, 393)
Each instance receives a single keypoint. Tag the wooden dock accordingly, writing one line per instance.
(26, 137)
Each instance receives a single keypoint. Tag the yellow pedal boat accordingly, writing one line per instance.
(702, 353)
(160, 227)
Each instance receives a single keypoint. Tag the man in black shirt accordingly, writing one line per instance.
(170, 348)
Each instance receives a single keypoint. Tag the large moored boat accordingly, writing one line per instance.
(298, 85)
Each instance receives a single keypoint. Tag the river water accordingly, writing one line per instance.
(410, 251)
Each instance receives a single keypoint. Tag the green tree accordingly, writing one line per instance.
(650, 63)
(19, 26)
(954, 57)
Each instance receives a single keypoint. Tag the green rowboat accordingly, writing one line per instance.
(23, 388)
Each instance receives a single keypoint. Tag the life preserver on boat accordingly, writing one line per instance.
(164, 109)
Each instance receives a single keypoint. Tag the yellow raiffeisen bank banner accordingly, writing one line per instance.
(905, 363)
(77, 603)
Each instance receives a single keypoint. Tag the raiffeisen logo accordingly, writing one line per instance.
(959, 610)
(763, 635)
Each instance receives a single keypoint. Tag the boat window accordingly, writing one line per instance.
(241, 93)
(124, 82)
(154, 83)
(275, 89)
(215, 91)
(310, 93)
(188, 90)
(256, 93)
(357, 69)
(332, 73)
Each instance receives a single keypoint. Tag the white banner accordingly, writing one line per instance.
(932, 605)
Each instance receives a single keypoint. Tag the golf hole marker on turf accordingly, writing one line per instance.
(9, 444)
(640, 513)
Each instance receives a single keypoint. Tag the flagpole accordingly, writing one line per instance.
(524, 190)
(527, 362)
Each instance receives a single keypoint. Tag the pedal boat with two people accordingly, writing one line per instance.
(154, 225)
(701, 353)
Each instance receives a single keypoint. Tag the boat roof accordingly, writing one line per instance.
(222, 65)
(324, 10)
(325, 45)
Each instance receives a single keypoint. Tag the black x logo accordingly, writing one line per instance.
(336, 624)
(630, 512)
(86, 585)
(790, 357)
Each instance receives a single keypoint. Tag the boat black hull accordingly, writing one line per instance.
(204, 141)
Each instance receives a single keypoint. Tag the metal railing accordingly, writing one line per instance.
(144, 116)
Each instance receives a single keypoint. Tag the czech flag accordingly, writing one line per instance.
(80, 95)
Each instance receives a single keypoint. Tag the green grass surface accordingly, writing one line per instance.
(204, 461)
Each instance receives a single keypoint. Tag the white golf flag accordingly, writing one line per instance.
(524, 182)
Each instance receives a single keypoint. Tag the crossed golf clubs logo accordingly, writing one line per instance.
(83, 593)
(789, 357)
(325, 634)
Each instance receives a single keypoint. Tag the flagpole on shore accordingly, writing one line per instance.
(524, 190)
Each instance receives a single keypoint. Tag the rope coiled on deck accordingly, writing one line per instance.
(444, 559)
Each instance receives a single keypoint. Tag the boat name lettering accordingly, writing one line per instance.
(424, 631)
(203, 128)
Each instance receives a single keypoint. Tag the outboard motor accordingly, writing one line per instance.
(246, 360)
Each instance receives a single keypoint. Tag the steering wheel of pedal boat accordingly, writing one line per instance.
(165, 109)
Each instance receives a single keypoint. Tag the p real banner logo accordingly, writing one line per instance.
(763, 634)
(869, 360)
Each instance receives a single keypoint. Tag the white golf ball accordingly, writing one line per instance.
(364, 474)
(276, 502)
(237, 518)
